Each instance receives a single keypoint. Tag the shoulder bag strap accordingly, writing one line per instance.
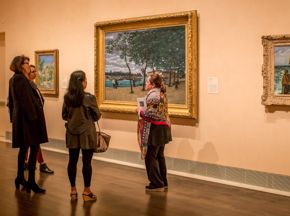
(98, 126)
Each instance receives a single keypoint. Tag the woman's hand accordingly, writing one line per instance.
(139, 110)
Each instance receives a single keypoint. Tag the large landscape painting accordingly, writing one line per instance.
(128, 50)
(130, 55)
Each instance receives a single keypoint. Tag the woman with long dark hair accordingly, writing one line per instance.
(80, 111)
(28, 122)
(154, 132)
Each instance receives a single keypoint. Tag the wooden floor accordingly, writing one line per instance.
(120, 191)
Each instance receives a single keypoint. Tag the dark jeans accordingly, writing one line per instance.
(31, 162)
(156, 166)
(87, 166)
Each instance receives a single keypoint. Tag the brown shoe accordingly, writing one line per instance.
(89, 197)
(150, 188)
(73, 195)
(44, 168)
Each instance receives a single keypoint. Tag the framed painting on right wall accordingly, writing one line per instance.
(276, 70)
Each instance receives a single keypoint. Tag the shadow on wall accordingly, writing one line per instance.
(275, 108)
(274, 113)
(185, 148)
(208, 154)
(185, 132)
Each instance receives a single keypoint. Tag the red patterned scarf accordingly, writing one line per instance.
(155, 113)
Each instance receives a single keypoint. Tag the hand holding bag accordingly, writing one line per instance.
(102, 141)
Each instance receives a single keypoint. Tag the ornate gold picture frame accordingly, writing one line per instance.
(276, 70)
(127, 50)
(46, 63)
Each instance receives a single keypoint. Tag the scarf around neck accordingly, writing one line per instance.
(156, 113)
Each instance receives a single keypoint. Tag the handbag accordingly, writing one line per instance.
(102, 141)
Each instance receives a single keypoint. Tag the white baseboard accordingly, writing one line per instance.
(204, 178)
(3, 139)
(231, 183)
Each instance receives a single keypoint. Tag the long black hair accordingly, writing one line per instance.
(75, 94)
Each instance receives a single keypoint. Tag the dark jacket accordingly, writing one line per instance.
(39, 95)
(26, 113)
(80, 126)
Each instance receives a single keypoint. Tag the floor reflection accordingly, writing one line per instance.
(73, 207)
(156, 203)
(87, 207)
(42, 178)
(31, 200)
(26, 201)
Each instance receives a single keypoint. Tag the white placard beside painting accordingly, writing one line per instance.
(212, 85)
(64, 83)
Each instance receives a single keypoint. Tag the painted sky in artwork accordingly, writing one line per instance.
(48, 59)
(282, 55)
(113, 61)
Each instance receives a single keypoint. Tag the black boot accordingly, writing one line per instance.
(20, 181)
(34, 187)
(31, 184)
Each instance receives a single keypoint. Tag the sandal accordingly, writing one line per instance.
(74, 195)
(89, 197)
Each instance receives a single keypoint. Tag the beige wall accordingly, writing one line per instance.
(3, 110)
(2, 66)
(233, 130)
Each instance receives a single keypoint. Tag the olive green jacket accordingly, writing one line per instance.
(80, 125)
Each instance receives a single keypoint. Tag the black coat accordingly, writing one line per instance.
(26, 113)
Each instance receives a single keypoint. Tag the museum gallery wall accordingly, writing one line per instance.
(234, 128)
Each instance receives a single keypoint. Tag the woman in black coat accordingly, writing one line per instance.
(28, 122)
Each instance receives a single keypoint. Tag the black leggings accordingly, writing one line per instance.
(31, 162)
(87, 166)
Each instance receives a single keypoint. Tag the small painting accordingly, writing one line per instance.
(276, 70)
(282, 69)
(47, 72)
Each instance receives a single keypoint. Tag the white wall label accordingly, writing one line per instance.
(64, 83)
(212, 85)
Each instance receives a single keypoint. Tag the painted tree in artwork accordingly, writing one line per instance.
(144, 50)
(40, 68)
(161, 49)
(172, 47)
(122, 46)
